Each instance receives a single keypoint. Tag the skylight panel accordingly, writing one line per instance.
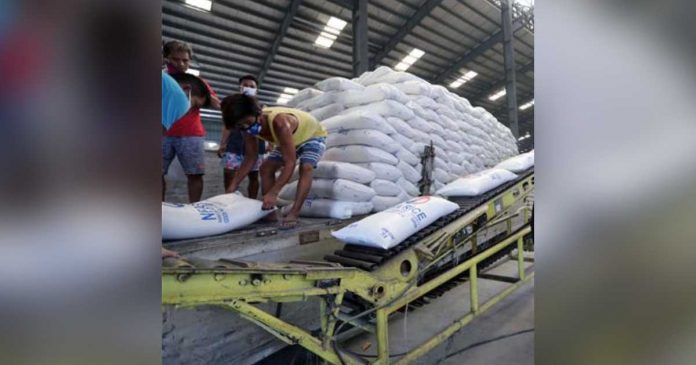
(287, 94)
(200, 4)
(409, 59)
(463, 79)
(497, 95)
(527, 105)
(330, 33)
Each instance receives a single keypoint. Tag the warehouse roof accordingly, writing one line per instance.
(236, 38)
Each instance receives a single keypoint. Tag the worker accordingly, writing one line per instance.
(198, 97)
(232, 146)
(296, 134)
(185, 138)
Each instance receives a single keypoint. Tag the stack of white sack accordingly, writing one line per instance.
(339, 190)
(383, 120)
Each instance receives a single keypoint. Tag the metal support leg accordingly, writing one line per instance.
(382, 337)
(473, 288)
(520, 257)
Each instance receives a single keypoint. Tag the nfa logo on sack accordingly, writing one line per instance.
(410, 211)
(419, 200)
(211, 212)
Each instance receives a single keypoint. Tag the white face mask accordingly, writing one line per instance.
(251, 91)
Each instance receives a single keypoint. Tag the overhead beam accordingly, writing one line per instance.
(476, 52)
(499, 84)
(412, 22)
(284, 26)
(348, 4)
(360, 42)
(510, 71)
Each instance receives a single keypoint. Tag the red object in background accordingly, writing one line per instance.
(23, 59)
(190, 124)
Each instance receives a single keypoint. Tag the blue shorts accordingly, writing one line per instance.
(189, 150)
(311, 151)
(233, 161)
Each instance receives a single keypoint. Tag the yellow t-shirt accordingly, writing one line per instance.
(308, 127)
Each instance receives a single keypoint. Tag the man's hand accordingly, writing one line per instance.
(269, 201)
(233, 187)
(221, 150)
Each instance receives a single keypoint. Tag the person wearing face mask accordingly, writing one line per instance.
(232, 146)
(186, 137)
(298, 137)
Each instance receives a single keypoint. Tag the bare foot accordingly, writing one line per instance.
(271, 217)
(289, 221)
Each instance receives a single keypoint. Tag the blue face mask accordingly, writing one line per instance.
(255, 128)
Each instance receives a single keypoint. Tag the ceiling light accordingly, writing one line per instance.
(463, 79)
(470, 75)
(417, 53)
(193, 72)
(286, 96)
(402, 66)
(330, 32)
(527, 105)
(200, 4)
(410, 59)
(457, 83)
(323, 42)
(336, 23)
(328, 35)
(497, 95)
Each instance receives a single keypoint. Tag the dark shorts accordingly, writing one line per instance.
(311, 151)
(189, 150)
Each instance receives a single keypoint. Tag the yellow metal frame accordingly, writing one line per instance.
(236, 288)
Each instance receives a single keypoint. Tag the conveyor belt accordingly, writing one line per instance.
(369, 258)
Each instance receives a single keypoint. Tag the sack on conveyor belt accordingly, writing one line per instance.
(478, 183)
(219, 214)
(338, 189)
(336, 209)
(518, 163)
(392, 226)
